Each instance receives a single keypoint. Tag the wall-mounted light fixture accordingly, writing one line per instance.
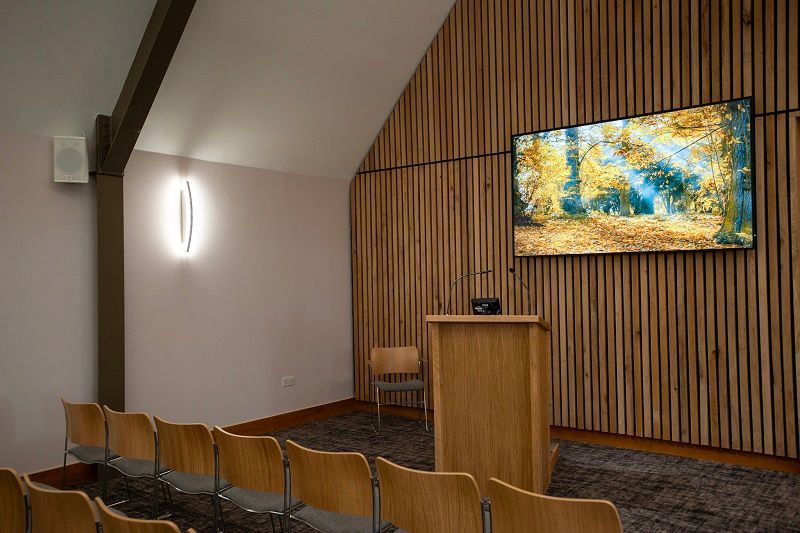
(187, 216)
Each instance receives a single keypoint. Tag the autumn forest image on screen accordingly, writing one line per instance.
(679, 180)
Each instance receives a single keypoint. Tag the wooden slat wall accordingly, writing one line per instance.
(700, 347)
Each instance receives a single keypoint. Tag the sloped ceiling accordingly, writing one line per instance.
(64, 62)
(300, 86)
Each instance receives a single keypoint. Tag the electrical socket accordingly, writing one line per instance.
(288, 381)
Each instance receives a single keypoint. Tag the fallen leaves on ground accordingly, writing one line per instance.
(600, 233)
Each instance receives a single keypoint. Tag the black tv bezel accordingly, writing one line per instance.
(752, 246)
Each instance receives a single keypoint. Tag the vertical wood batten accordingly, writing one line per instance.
(696, 347)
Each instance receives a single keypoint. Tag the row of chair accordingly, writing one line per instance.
(37, 508)
(330, 491)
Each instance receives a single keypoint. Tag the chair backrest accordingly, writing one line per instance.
(515, 509)
(131, 435)
(429, 502)
(399, 360)
(65, 511)
(113, 523)
(254, 463)
(12, 502)
(186, 447)
(340, 482)
(85, 424)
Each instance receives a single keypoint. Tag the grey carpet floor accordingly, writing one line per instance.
(652, 492)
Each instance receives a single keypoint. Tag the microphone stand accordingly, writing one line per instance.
(469, 274)
(519, 278)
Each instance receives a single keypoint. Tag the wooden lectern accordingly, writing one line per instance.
(491, 393)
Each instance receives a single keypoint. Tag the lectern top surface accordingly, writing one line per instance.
(501, 319)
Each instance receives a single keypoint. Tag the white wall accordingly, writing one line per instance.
(264, 292)
(48, 309)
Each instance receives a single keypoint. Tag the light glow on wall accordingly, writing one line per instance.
(183, 216)
(186, 215)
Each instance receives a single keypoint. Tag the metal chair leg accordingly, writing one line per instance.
(214, 512)
(378, 403)
(155, 497)
(425, 408)
(64, 469)
(105, 482)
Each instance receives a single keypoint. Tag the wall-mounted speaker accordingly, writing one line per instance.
(70, 163)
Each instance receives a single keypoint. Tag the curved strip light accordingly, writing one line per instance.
(187, 216)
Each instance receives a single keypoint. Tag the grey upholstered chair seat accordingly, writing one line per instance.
(90, 454)
(409, 385)
(328, 522)
(256, 501)
(136, 467)
(192, 483)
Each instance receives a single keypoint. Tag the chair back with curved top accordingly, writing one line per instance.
(186, 448)
(114, 523)
(514, 509)
(131, 435)
(253, 463)
(65, 511)
(86, 425)
(339, 482)
(396, 360)
(13, 512)
(429, 502)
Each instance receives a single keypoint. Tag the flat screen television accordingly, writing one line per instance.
(678, 180)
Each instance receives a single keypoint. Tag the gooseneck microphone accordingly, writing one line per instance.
(519, 278)
(467, 275)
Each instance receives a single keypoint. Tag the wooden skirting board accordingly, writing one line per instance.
(77, 473)
(262, 426)
(706, 453)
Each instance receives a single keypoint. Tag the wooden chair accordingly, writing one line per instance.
(514, 509)
(399, 360)
(65, 511)
(114, 523)
(189, 452)
(86, 428)
(132, 440)
(13, 507)
(257, 472)
(429, 502)
(337, 488)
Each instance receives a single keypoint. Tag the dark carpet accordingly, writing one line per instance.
(652, 492)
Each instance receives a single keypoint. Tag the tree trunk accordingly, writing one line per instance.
(737, 219)
(571, 201)
(625, 202)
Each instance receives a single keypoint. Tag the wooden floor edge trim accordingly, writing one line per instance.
(390, 409)
(262, 426)
(692, 451)
(77, 473)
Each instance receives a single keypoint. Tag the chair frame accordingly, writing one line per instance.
(376, 508)
(376, 390)
(439, 493)
(283, 517)
(156, 461)
(497, 488)
(26, 508)
(216, 505)
(133, 524)
(32, 488)
(67, 453)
